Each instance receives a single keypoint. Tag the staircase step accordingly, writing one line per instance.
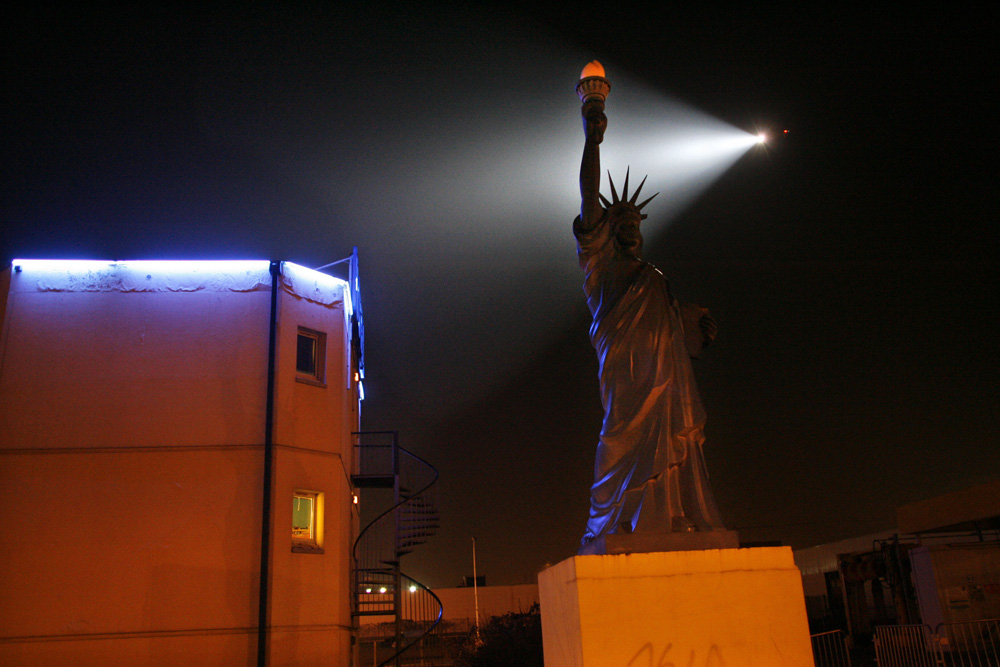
(423, 536)
(415, 527)
(362, 612)
(373, 481)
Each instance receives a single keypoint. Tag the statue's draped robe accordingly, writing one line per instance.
(649, 468)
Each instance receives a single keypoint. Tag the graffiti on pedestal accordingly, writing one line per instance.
(647, 657)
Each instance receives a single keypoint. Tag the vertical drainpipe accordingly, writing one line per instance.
(265, 524)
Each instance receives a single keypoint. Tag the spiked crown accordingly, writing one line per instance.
(625, 203)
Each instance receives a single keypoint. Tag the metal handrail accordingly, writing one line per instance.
(400, 503)
(430, 628)
(385, 567)
(357, 313)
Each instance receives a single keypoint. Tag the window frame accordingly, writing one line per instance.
(318, 377)
(313, 542)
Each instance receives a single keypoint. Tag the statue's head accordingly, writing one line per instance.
(625, 221)
(625, 217)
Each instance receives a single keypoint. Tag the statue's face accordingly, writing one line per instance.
(626, 228)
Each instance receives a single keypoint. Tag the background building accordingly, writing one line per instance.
(940, 568)
(176, 458)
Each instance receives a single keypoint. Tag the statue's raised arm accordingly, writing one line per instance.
(593, 90)
(594, 124)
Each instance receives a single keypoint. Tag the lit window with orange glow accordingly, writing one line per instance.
(310, 357)
(307, 522)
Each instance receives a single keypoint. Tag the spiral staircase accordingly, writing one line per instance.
(409, 611)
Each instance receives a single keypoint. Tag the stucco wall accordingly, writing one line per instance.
(133, 406)
(115, 545)
(132, 369)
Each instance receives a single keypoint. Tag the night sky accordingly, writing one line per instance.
(851, 264)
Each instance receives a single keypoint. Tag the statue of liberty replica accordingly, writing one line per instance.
(658, 579)
(651, 489)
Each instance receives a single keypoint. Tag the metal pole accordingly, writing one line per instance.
(397, 580)
(397, 599)
(475, 589)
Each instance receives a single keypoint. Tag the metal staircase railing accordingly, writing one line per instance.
(380, 588)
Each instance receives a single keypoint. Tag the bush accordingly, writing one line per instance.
(508, 640)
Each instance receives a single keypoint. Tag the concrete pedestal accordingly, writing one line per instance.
(711, 608)
(647, 542)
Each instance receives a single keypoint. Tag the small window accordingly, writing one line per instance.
(310, 357)
(307, 522)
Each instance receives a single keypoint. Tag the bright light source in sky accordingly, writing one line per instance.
(761, 138)
(709, 147)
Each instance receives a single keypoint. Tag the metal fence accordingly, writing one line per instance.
(969, 644)
(437, 649)
(830, 649)
(905, 646)
(966, 644)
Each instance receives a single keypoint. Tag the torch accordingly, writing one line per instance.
(592, 90)
(593, 87)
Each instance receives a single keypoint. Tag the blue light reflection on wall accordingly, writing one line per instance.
(301, 275)
(198, 267)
